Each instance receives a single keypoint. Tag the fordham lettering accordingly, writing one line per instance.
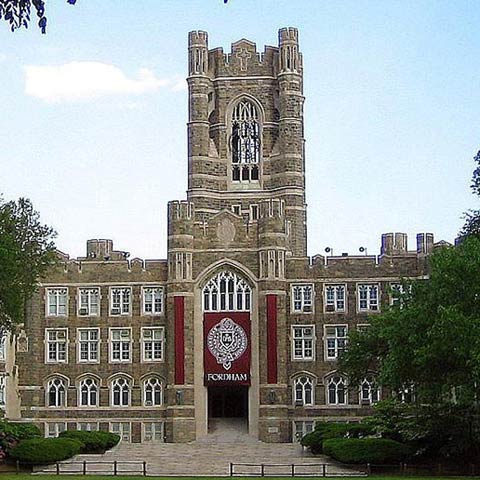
(227, 377)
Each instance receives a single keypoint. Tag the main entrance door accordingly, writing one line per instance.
(228, 402)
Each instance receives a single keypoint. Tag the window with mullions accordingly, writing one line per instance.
(120, 344)
(56, 393)
(303, 391)
(226, 292)
(337, 390)
(152, 300)
(152, 392)
(367, 298)
(245, 143)
(335, 341)
(120, 301)
(56, 345)
(89, 302)
(88, 393)
(303, 342)
(57, 302)
(120, 392)
(334, 298)
(302, 298)
(369, 391)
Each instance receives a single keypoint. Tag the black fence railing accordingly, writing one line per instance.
(289, 469)
(87, 467)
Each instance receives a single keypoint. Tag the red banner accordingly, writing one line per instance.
(227, 348)
(271, 338)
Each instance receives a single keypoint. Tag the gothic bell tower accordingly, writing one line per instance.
(245, 131)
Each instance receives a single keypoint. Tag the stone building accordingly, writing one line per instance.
(237, 321)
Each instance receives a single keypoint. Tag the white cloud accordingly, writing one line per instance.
(87, 80)
(3, 57)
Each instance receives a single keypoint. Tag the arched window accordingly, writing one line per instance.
(152, 392)
(120, 392)
(56, 393)
(88, 393)
(369, 391)
(337, 390)
(303, 390)
(226, 292)
(245, 142)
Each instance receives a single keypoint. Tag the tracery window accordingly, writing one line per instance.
(337, 390)
(303, 390)
(369, 391)
(56, 393)
(245, 142)
(88, 393)
(226, 292)
(120, 392)
(152, 392)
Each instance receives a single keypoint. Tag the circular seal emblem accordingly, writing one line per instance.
(227, 341)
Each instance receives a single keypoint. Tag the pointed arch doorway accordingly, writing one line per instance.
(226, 307)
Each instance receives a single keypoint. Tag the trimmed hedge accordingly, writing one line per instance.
(324, 431)
(45, 450)
(93, 442)
(19, 431)
(366, 450)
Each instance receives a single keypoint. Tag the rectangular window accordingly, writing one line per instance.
(303, 341)
(57, 302)
(88, 302)
(397, 290)
(152, 344)
(153, 432)
(53, 429)
(3, 345)
(87, 426)
(237, 209)
(2, 390)
(88, 345)
(120, 344)
(253, 212)
(302, 298)
(335, 298)
(122, 429)
(152, 300)
(56, 341)
(335, 341)
(301, 428)
(120, 298)
(368, 297)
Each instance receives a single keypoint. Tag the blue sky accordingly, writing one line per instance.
(93, 114)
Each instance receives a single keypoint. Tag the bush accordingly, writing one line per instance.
(324, 431)
(366, 450)
(45, 450)
(93, 442)
(12, 433)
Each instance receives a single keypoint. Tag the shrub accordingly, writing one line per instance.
(93, 442)
(19, 431)
(325, 431)
(366, 450)
(45, 450)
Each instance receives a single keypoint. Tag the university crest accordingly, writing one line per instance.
(227, 341)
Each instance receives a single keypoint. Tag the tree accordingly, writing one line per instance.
(27, 250)
(472, 217)
(431, 339)
(17, 12)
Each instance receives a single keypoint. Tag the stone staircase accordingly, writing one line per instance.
(227, 442)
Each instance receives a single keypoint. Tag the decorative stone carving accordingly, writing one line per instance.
(225, 231)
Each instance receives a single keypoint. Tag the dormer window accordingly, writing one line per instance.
(245, 143)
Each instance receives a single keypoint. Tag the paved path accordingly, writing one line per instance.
(210, 456)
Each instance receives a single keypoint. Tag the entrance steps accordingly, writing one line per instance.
(227, 442)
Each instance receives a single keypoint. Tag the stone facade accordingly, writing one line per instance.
(245, 216)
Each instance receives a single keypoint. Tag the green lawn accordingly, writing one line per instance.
(24, 476)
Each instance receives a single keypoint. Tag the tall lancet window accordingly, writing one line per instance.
(245, 142)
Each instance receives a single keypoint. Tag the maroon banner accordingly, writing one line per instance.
(179, 310)
(271, 339)
(227, 348)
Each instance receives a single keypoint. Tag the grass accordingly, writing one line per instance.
(24, 476)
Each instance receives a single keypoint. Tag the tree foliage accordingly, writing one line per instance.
(17, 13)
(472, 217)
(27, 250)
(432, 338)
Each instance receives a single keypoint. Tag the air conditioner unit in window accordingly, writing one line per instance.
(115, 311)
(125, 334)
(330, 308)
(307, 308)
(83, 311)
(299, 403)
(148, 403)
(147, 334)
